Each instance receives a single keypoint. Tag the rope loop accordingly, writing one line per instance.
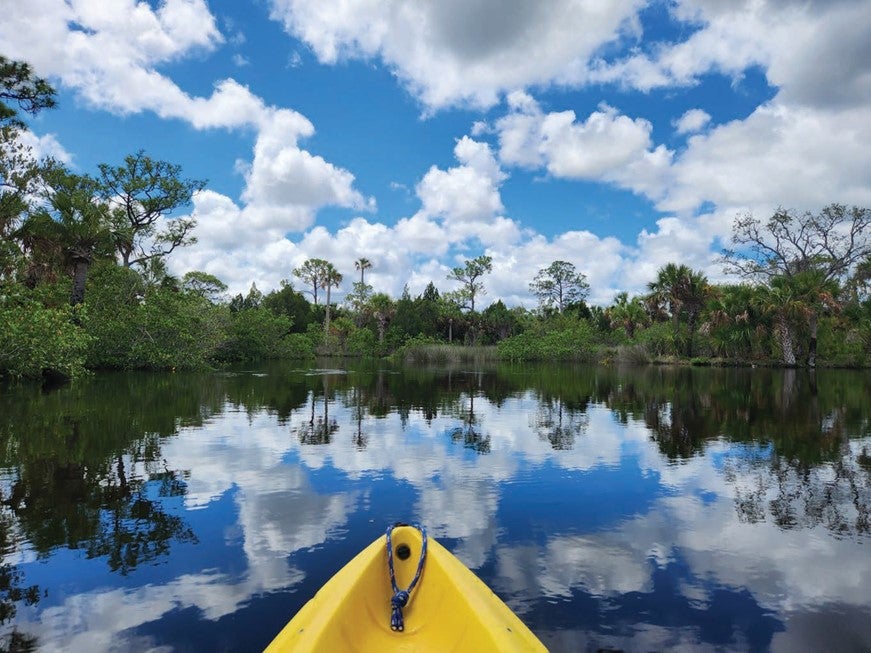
(401, 597)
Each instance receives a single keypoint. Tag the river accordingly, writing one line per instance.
(639, 509)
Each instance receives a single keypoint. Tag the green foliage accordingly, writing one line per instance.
(498, 322)
(565, 339)
(297, 345)
(469, 276)
(559, 285)
(361, 342)
(254, 334)
(658, 339)
(35, 340)
(844, 345)
(135, 327)
(144, 194)
(292, 304)
(204, 285)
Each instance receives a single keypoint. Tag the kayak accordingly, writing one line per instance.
(405, 592)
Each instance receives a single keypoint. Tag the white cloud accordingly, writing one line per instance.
(814, 52)
(692, 121)
(780, 155)
(459, 51)
(108, 50)
(607, 146)
(286, 185)
(45, 146)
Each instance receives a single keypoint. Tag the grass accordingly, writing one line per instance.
(427, 354)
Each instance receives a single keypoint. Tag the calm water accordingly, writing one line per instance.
(642, 509)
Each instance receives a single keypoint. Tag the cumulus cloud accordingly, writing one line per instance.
(108, 53)
(45, 146)
(794, 156)
(459, 51)
(692, 121)
(605, 146)
(108, 50)
(814, 52)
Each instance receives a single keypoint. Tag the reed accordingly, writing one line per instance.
(439, 354)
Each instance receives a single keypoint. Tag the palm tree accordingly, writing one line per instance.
(383, 309)
(627, 314)
(362, 264)
(665, 291)
(679, 291)
(331, 277)
(786, 307)
(818, 294)
(695, 293)
(74, 226)
(732, 320)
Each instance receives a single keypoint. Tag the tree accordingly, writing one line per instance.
(469, 276)
(627, 314)
(203, 285)
(289, 302)
(74, 225)
(498, 321)
(560, 284)
(679, 291)
(831, 244)
(20, 85)
(733, 320)
(383, 309)
(779, 301)
(331, 278)
(312, 272)
(362, 264)
(144, 193)
(20, 172)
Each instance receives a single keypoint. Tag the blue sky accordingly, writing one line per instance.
(616, 135)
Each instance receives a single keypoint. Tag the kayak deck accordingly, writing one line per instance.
(450, 608)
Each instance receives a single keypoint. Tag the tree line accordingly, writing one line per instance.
(84, 283)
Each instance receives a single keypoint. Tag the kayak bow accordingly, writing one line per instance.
(442, 605)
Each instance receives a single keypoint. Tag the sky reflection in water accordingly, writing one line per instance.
(607, 508)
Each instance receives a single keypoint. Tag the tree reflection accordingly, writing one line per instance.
(107, 510)
(12, 589)
(87, 470)
(836, 496)
(360, 438)
(559, 424)
(318, 430)
(469, 433)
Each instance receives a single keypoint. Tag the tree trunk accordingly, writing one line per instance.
(812, 346)
(327, 321)
(80, 275)
(784, 336)
(691, 328)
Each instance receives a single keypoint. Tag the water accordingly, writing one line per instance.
(640, 509)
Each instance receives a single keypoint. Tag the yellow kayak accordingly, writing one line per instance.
(418, 597)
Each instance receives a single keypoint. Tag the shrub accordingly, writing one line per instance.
(255, 333)
(570, 340)
(296, 345)
(658, 339)
(35, 340)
